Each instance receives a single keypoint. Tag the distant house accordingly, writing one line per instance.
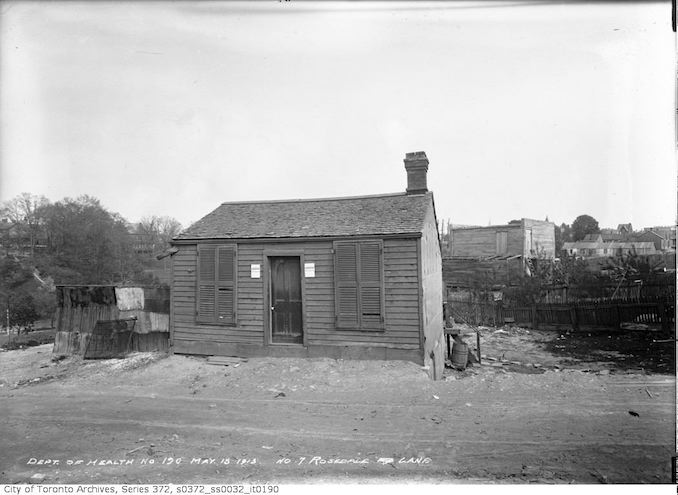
(352, 277)
(587, 248)
(526, 238)
(660, 243)
(17, 240)
(8, 234)
(142, 243)
(598, 248)
(664, 238)
(593, 238)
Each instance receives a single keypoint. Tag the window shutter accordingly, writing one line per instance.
(371, 313)
(226, 285)
(346, 284)
(206, 289)
(216, 284)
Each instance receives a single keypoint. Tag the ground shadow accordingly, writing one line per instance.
(619, 349)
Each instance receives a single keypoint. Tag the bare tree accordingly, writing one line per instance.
(159, 230)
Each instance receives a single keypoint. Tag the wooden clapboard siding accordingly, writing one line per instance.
(401, 311)
(516, 242)
(184, 324)
(401, 289)
(432, 296)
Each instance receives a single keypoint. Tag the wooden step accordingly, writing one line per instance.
(225, 360)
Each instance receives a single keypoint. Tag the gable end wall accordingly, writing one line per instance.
(432, 297)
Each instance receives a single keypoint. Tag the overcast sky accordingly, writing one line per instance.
(525, 109)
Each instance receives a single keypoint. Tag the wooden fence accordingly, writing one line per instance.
(601, 314)
(564, 294)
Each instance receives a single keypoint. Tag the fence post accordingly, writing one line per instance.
(535, 323)
(573, 317)
(494, 313)
(619, 318)
(663, 317)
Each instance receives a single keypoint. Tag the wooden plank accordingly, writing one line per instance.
(403, 301)
(218, 339)
(336, 351)
(216, 332)
(225, 360)
(219, 332)
(413, 343)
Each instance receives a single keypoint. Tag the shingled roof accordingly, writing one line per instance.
(363, 215)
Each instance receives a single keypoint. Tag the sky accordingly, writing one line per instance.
(524, 109)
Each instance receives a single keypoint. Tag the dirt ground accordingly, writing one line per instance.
(543, 407)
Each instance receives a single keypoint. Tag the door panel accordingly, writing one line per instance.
(502, 242)
(286, 307)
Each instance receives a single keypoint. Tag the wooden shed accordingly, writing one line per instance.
(525, 237)
(353, 277)
(83, 309)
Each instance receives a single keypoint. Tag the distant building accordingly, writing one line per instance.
(660, 243)
(625, 228)
(593, 238)
(16, 239)
(598, 248)
(8, 234)
(526, 238)
(143, 243)
(663, 237)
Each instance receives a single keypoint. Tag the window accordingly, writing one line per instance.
(358, 283)
(216, 284)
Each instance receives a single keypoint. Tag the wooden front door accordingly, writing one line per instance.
(286, 320)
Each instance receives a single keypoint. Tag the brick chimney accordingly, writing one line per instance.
(416, 165)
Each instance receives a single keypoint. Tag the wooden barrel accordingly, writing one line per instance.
(459, 354)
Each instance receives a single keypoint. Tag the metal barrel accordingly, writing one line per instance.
(459, 354)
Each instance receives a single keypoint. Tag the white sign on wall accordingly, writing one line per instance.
(309, 270)
(255, 271)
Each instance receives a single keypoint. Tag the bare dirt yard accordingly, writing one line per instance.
(543, 407)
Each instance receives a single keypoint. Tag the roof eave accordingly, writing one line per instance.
(195, 240)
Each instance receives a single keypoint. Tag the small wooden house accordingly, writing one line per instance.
(354, 277)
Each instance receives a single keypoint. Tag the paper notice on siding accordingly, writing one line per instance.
(255, 271)
(309, 270)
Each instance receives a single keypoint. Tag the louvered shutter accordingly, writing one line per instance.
(371, 313)
(346, 284)
(226, 285)
(206, 287)
(216, 284)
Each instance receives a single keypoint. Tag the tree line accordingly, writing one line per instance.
(74, 241)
